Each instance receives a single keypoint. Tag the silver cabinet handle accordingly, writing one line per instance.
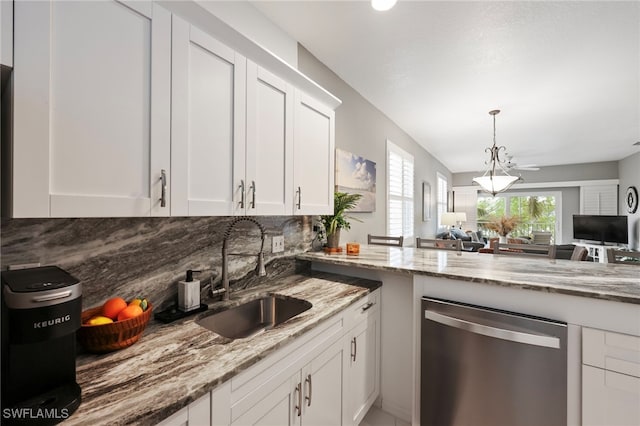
(307, 381)
(299, 203)
(298, 407)
(253, 194)
(241, 193)
(163, 183)
(367, 306)
(498, 333)
(354, 349)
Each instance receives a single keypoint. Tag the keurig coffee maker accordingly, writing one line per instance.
(41, 311)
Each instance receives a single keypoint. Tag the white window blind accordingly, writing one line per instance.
(441, 202)
(599, 199)
(399, 192)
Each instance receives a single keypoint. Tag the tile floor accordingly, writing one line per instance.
(377, 417)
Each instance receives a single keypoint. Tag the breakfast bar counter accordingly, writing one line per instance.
(581, 294)
(615, 282)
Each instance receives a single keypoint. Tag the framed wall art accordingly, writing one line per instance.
(356, 175)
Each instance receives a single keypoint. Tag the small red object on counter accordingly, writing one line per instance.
(353, 249)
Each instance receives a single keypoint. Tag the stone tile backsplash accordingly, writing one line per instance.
(128, 257)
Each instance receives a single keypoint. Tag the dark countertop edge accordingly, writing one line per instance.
(570, 291)
(159, 414)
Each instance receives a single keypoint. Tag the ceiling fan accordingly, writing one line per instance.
(510, 165)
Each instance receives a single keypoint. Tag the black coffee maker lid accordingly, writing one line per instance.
(37, 279)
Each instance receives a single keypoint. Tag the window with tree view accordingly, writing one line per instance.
(534, 213)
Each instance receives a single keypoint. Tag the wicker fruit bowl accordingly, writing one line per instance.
(113, 336)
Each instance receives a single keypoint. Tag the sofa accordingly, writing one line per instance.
(459, 234)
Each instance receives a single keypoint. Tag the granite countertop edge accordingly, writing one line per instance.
(172, 358)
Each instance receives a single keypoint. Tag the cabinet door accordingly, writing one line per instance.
(6, 33)
(609, 398)
(364, 364)
(278, 408)
(322, 388)
(313, 156)
(91, 108)
(269, 143)
(208, 125)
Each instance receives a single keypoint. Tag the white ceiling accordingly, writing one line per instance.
(566, 75)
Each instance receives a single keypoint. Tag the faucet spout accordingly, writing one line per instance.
(260, 269)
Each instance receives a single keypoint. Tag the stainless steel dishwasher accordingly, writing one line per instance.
(483, 366)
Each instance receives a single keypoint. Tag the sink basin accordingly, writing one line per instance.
(254, 316)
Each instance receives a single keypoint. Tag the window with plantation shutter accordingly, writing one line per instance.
(399, 192)
(442, 199)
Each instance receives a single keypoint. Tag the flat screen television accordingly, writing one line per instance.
(602, 229)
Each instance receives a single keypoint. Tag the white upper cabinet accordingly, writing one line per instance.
(208, 125)
(6, 33)
(313, 152)
(91, 109)
(125, 109)
(269, 143)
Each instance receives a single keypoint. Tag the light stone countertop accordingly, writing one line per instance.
(615, 282)
(172, 365)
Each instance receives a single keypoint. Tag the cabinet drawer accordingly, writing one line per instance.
(611, 351)
(362, 309)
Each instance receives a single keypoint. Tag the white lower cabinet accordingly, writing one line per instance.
(328, 376)
(197, 413)
(362, 348)
(310, 396)
(610, 378)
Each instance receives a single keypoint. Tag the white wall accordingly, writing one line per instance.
(629, 172)
(363, 130)
(246, 19)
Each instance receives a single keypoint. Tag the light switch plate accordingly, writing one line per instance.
(277, 244)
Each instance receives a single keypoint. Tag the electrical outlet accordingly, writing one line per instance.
(277, 244)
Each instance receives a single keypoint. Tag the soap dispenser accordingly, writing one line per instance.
(189, 293)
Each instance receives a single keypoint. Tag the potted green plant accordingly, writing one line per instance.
(342, 202)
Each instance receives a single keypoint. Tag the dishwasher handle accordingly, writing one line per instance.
(498, 333)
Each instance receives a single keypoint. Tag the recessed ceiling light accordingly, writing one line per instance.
(382, 5)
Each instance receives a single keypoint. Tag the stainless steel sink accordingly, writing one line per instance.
(254, 316)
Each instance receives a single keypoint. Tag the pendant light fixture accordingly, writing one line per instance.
(495, 179)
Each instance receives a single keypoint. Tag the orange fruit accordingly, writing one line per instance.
(140, 301)
(113, 306)
(130, 311)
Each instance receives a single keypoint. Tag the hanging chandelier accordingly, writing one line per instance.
(495, 179)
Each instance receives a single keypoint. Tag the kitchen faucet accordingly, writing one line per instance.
(260, 270)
